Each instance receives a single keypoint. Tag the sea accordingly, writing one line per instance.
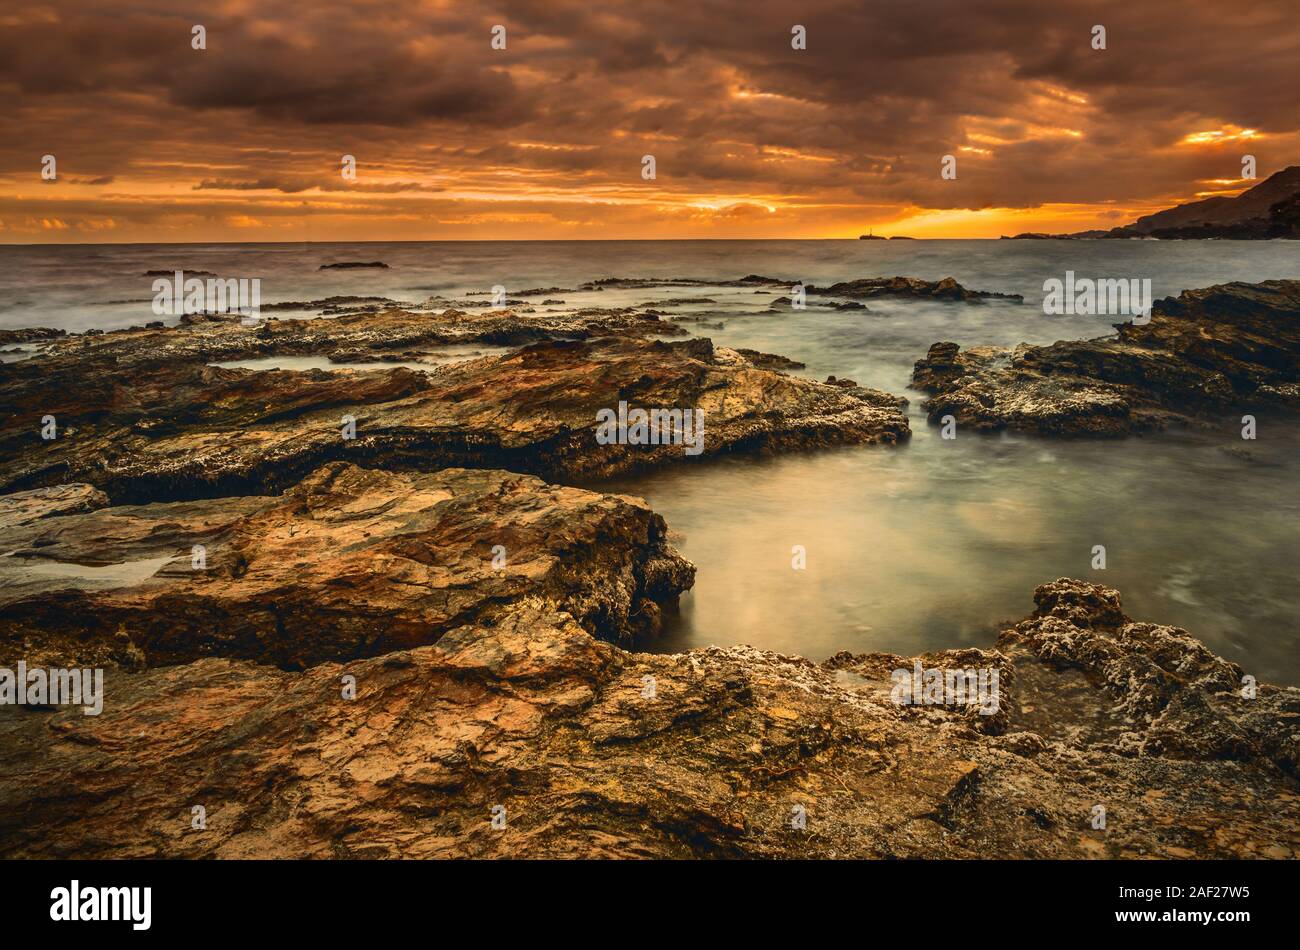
(930, 545)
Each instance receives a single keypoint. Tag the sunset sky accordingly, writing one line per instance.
(242, 141)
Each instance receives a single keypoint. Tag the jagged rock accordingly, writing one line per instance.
(769, 360)
(1217, 350)
(645, 283)
(541, 291)
(946, 362)
(346, 563)
(1179, 699)
(514, 304)
(677, 302)
(585, 750)
(173, 430)
(29, 335)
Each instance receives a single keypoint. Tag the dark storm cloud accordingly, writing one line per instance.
(713, 89)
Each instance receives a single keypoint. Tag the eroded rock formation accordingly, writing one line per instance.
(1223, 350)
(180, 429)
(263, 573)
(585, 750)
(346, 563)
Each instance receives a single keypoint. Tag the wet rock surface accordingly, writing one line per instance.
(585, 750)
(1170, 695)
(145, 431)
(1216, 352)
(347, 563)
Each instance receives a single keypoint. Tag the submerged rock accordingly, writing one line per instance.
(579, 749)
(770, 360)
(174, 430)
(1222, 350)
(677, 302)
(347, 563)
(339, 304)
(644, 283)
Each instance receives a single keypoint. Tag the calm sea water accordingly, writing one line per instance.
(921, 547)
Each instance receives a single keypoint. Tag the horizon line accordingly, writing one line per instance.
(525, 241)
(1246, 186)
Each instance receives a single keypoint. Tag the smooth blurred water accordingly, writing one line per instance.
(78, 287)
(918, 547)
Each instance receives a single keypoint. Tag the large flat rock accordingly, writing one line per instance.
(347, 563)
(181, 429)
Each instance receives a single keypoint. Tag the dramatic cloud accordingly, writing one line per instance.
(156, 140)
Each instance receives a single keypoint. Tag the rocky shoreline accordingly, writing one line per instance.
(1207, 356)
(580, 749)
(237, 562)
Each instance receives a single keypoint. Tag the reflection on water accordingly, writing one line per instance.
(18, 570)
(444, 356)
(932, 545)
